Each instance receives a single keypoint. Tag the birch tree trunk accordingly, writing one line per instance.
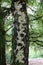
(20, 35)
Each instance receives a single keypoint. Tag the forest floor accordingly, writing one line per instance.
(36, 61)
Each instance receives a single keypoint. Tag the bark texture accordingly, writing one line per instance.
(20, 35)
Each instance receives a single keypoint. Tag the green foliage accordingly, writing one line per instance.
(35, 52)
(8, 57)
(36, 28)
(6, 3)
(31, 2)
(41, 3)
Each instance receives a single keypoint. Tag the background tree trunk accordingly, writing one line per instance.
(2, 40)
(20, 36)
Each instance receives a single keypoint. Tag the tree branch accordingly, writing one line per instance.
(8, 9)
(37, 36)
(8, 29)
(31, 8)
(36, 18)
(8, 40)
(37, 42)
